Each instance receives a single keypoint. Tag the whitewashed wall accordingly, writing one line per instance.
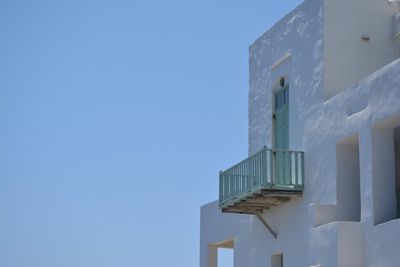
(319, 228)
(311, 230)
(376, 100)
(347, 57)
(302, 64)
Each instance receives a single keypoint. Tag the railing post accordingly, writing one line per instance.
(296, 168)
(302, 169)
(273, 166)
(291, 162)
(262, 170)
(221, 188)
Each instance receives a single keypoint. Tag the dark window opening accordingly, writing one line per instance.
(386, 170)
(348, 180)
(277, 260)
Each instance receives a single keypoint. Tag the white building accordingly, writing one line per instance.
(321, 185)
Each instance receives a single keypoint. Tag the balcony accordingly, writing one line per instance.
(265, 179)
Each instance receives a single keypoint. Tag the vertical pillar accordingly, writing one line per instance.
(365, 139)
(383, 171)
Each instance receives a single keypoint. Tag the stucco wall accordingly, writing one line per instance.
(319, 47)
(331, 243)
(274, 55)
(379, 95)
(347, 57)
(319, 228)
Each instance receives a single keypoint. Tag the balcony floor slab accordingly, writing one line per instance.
(257, 202)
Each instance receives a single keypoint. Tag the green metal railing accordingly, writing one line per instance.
(267, 169)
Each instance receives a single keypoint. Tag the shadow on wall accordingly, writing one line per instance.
(386, 170)
(348, 196)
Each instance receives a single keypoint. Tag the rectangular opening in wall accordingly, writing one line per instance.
(348, 179)
(277, 260)
(220, 254)
(386, 170)
(225, 257)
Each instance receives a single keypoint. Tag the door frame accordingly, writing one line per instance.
(281, 84)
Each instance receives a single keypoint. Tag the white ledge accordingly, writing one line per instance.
(281, 60)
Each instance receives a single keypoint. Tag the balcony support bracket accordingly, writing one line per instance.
(258, 215)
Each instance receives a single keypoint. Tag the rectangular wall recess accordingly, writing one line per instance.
(277, 260)
(386, 171)
(348, 179)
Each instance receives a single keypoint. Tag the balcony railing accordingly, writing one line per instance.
(269, 169)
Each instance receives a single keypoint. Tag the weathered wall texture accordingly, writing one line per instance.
(298, 41)
(354, 127)
(366, 107)
(348, 58)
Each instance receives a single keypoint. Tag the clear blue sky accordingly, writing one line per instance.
(115, 118)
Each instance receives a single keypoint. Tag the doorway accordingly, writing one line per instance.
(281, 132)
(281, 115)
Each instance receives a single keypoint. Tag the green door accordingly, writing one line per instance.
(281, 134)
